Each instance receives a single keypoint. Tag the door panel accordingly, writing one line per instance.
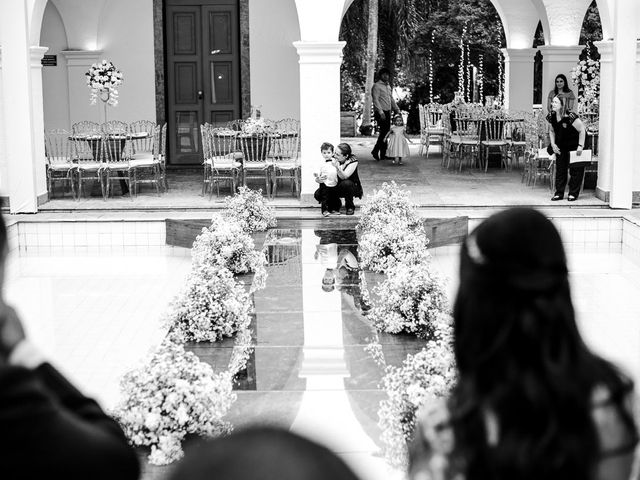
(203, 70)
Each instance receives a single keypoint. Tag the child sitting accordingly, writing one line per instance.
(327, 177)
(397, 141)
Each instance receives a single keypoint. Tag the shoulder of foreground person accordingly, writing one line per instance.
(51, 430)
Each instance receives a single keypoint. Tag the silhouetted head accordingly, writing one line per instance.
(262, 453)
(513, 310)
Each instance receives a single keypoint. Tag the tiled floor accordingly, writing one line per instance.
(97, 316)
(430, 184)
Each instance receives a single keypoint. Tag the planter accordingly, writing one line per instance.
(348, 124)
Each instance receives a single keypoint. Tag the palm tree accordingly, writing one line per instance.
(372, 53)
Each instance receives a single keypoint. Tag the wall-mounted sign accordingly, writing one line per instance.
(49, 61)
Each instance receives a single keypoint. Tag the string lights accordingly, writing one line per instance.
(481, 76)
(467, 89)
(433, 36)
(461, 68)
(500, 79)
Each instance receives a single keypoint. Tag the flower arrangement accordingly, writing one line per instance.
(411, 299)
(254, 126)
(392, 242)
(388, 203)
(430, 373)
(213, 306)
(103, 78)
(586, 76)
(170, 396)
(226, 244)
(250, 210)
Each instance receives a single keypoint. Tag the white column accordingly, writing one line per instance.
(19, 126)
(38, 121)
(623, 129)
(319, 103)
(603, 188)
(557, 60)
(635, 187)
(78, 63)
(4, 165)
(518, 64)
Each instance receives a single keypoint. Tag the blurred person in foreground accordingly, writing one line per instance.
(48, 429)
(532, 401)
(261, 453)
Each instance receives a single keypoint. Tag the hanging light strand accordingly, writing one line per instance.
(481, 76)
(461, 66)
(467, 89)
(500, 79)
(433, 36)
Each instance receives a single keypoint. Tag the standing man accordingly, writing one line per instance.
(383, 103)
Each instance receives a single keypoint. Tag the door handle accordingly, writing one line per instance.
(200, 94)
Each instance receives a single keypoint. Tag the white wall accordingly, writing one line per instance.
(4, 166)
(275, 73)
(55, 85)
(125, 36)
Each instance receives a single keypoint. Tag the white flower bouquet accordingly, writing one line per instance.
(412, 299)
(390, 202)
(254, 126)
(226, 244)
(103, 78)
(172, 395)
(212, 306)
(430, 373)
(250, 210)
(392, 242)
(586, 76)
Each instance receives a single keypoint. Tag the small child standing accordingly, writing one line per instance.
(397, 141)
(327, 177)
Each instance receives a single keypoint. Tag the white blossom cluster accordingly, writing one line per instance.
(249, 208)
(254, 126)
(411, 299)
(390, 202)
(430, 373)
(174, 394)
(586, 76)
(103, 78)
(227, 245)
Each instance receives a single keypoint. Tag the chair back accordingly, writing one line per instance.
(494, 128)
(423, 118)
(286, 146)
(467, 126)
(85, 128)
(145, 137)
(205, 136)
(255, 148)
(288, 126)
(115, 127)
(223, 144)
(433, 113)
(163, 143)
(58, 148)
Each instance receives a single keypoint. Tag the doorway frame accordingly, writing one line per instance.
(159, 42)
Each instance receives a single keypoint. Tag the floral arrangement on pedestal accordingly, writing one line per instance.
(411, 299)
(213, 306)
(586, 76)
(174, 394)
(103, 79)
(430, 373)
(249, 208)
(227, 245)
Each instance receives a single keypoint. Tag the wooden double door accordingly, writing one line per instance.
(203, 72)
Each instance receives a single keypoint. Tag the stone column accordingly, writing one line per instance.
(605, 135)
(319, 104)
(38, 122)
(78, 63)
(557, 60)
(518, 64)
(17, 101)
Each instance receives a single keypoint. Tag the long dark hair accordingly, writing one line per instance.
(522, 359)
(566, 84)
(345, 149)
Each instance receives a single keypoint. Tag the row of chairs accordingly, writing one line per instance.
(132, 154)
(233, 154)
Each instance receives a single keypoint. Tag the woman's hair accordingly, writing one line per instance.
(563, 104)
(261, 453)
(345, 149)
(521, 357)
(566, 84)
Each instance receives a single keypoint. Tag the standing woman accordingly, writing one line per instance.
(561, 89)
(567, 134)
(349, 185)
(532, 400)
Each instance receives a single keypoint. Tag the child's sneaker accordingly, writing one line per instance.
(335, 212)
(325, 214)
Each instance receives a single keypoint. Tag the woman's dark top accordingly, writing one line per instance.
(567, 137)
(357, 191)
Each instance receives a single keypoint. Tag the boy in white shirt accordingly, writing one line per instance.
(327, 177)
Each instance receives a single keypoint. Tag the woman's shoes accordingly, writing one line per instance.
(350, 211)
(557, 197)
(571, 198)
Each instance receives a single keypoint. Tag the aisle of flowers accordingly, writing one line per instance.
(411, 299)
(174, 394)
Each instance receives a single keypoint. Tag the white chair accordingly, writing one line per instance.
(59, 154)
(144, 161)
(222, 161)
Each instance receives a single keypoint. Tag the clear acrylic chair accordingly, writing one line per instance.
(58, 150)
(222, 160)
(144, 161)
(286, 162)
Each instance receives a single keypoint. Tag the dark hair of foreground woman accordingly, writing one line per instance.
(262, 453)
(532, 400)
